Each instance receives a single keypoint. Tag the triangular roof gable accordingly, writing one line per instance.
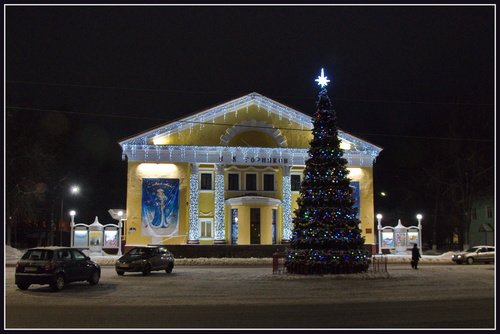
(257, 99)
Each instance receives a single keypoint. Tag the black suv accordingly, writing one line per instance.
(145, 259)
(55, 266)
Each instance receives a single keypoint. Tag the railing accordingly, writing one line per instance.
(379, 263)
(279, 263)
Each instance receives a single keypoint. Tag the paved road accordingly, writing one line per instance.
(435, 296)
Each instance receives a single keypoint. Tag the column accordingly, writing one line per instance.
(286, 199)
(194, 229)
(220, 228)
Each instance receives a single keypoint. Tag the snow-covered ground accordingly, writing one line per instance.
(12, 255)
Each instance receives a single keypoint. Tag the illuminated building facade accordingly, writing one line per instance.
(230, 174)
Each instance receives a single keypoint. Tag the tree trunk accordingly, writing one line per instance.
(434, 224)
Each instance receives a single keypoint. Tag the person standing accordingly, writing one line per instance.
(415, 256)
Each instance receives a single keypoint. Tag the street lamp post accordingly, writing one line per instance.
(72, 213)
(379, 228)
(419, 218)
(73, 190)
(120, 232)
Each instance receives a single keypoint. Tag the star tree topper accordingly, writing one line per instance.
(322, 80)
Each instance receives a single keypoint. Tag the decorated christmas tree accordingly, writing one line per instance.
(326, 238)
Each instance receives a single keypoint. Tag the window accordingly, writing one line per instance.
(64, 254)
(77, 255)
(233, 181)
(38, 254)
(268, 182)
(251, 181)
(206, 181)
(295, 180)
(489, 211)
(205, 228)
(474, 214)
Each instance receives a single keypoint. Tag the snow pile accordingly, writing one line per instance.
(224, 261)
(107, 260)
(12, 254)
(391, 258)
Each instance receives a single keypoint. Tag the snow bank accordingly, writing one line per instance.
(12, 255)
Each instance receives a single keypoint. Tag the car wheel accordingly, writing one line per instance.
(23, 286)
(169, 268)
(470, 260)
(94, 279)
(120, 272)
(146, 270)
(58, 283)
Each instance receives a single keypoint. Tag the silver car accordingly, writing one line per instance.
(484, 254)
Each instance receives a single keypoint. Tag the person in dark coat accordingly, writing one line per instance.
(415, 256)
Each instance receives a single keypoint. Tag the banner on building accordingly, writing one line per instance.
(160, 207)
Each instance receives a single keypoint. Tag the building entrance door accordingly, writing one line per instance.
(255, 226)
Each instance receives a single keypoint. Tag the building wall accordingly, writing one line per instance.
(479, 217)
(138, 171)
(210, 135)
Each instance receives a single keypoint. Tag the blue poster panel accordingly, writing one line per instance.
(81, 237)
(355, 194)
(388, 239)
(160, 207)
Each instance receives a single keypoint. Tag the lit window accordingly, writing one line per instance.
(205, 228)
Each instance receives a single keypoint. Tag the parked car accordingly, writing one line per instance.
(475, 254)
(145, 259)
(55, 266)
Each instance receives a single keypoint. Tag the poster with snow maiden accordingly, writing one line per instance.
(355, 194)
(160, 207)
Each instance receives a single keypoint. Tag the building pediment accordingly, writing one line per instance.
(219, 130)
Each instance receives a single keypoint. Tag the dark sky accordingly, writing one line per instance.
(104, 73)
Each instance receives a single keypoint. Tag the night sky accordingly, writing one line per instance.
(95, 75)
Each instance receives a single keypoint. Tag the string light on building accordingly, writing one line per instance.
(194, 233)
